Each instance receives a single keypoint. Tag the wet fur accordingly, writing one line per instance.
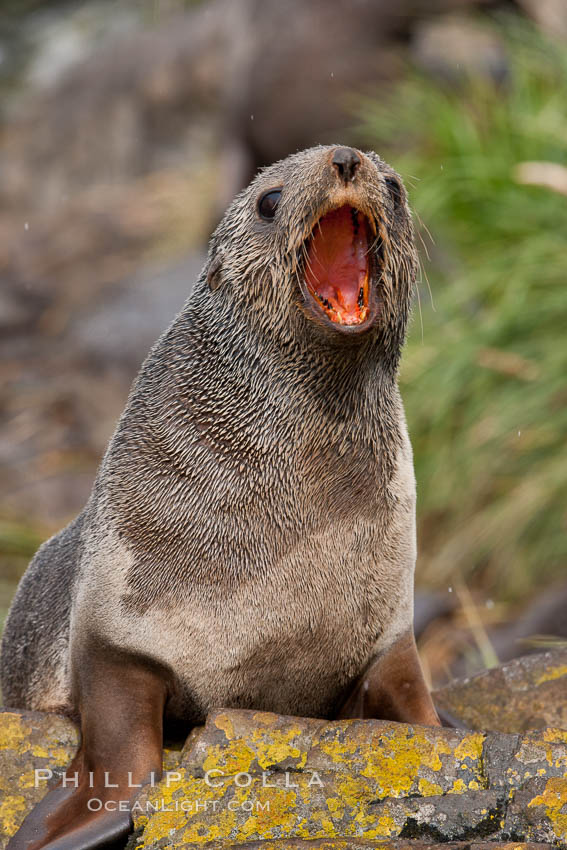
(252, 525)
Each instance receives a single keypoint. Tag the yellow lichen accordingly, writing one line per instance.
(552, 673)
(236, 758)
(12, 731)
(555, 736)
(428, 789)
(267, 747)
(27, 779)
(337, 750)
(335, 804)
(277, 747)
(470, 747)
(387, 826)
(12, 812)
(395, 764)
(221, 812)
(554, 798)
(352, 791)
(265, 718)
(222, 721)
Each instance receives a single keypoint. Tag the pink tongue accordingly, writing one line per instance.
(337, 260)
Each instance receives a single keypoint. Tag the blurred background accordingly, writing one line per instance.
(126, 128)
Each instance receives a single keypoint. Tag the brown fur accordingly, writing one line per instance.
(252, 525)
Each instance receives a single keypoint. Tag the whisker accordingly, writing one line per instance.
(420, 237)
(420, 313)
(375, 244)
(424, 227)
(426, 276)
(307, 262)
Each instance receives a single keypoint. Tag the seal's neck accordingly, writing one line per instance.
(344, 378)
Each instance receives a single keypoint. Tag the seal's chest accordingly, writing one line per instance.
(291, 638)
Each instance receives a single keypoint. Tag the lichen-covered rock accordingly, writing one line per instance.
(258, 781)
(527, 693)
(33, 745)
(394, 759)
(363, 844)
(29, 741)
(538, 811)
(249, 776)
(509, 761)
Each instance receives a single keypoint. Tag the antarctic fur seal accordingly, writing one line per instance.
(250, 537)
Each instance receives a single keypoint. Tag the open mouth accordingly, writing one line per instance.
(337, 272)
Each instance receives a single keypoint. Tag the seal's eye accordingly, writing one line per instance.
(395, 190)
(268, 204)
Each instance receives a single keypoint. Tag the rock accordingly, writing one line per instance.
(215, 68)
(259, 781)
(393, 760)
(29, 741)
(361, 844)
(542, 621)
(249, 776)
(454, 46)
(32, 741)
(538, 811)
(65, 386)
(550, 15)
(527, 693)
(509, 760)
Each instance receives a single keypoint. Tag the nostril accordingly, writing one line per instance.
(346, 162)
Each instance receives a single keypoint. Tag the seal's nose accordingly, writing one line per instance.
(346, 161)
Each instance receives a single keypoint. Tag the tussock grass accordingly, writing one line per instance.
(484, 377)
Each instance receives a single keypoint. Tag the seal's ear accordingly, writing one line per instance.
(395, 190)
(214, 274)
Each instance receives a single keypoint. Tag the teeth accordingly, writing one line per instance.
(324, 301)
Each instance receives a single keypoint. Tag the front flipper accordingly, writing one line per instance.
(393, 688)
(121, 698)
